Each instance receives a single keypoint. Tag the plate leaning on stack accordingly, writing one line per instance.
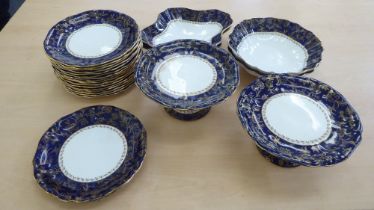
(94, 53)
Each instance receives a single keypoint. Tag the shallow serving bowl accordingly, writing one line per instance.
(88, 154)
(187, 77)
(271, 45)
(91, 38)
(182, 23)
(299, 121)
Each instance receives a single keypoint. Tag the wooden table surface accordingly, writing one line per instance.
(207, 164)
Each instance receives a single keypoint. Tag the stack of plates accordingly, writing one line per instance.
(94, 52)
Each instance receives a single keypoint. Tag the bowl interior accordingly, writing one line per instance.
(271, 45)
(183, 23)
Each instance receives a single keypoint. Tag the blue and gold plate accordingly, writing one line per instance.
(299, 121)
(271, 45)
(183, 23)
(187, 77)
(88, 154)
(91, 38)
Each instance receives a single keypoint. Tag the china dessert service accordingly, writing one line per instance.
(293, 120)
(183, 23)
(94, 53)
(272, 45)
(88, 154)
(187, 77)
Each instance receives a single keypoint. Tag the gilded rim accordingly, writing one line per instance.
(131, 127)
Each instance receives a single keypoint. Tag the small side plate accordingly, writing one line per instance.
(88, 154)
(91, 38)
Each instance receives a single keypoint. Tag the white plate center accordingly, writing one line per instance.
(93, 153)
(183, 29)
(297, 118)
(273, 52)
(185, 75)
(94, 41)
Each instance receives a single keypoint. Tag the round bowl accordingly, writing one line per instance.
(271, 45)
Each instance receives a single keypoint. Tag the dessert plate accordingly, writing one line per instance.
(90, 153)
(122, 60)
(271, 45)
(91, 38)
(299, 121)
(182, 23)
(187, 77)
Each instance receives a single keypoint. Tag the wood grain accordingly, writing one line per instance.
(207, 164)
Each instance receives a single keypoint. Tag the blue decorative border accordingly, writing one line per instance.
(293, 30)
(186, 14)
(225, 64)
(345, 134)
(55, 41)
(46, 168)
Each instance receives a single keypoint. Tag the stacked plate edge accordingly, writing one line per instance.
(94, 53)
